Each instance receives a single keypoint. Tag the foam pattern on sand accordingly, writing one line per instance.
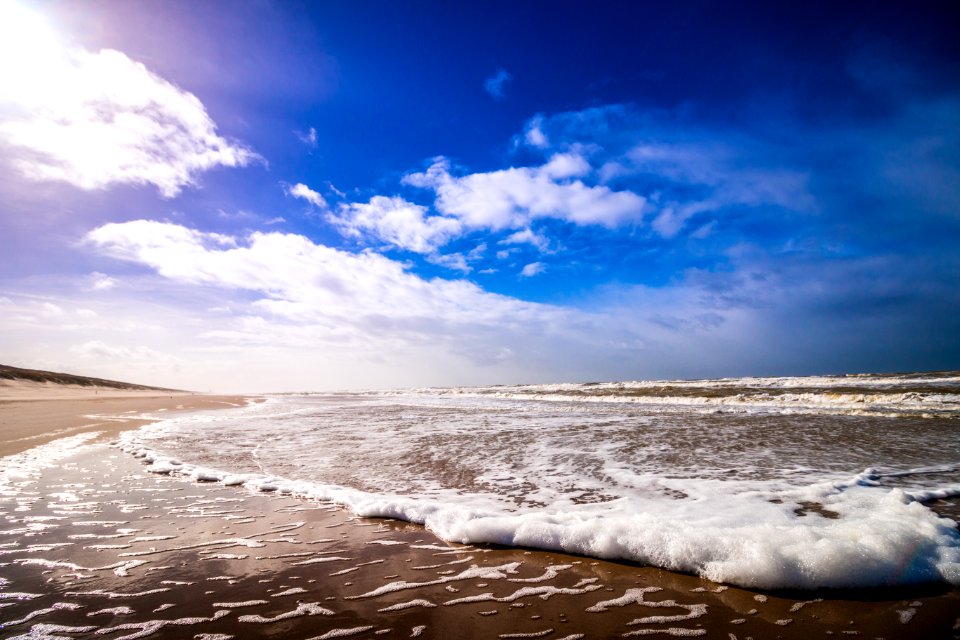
(64, 588)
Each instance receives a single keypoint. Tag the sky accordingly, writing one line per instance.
(294, 196)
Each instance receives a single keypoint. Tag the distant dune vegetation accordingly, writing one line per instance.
(33, 375)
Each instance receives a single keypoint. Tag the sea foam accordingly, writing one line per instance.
(768, 499)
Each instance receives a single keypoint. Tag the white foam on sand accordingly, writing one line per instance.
(20, 468)
(878, 537)
(799, 527)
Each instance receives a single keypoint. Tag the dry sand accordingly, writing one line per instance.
(94, 546)
(33, 413)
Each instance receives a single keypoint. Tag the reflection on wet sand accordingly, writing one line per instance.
(97, 547)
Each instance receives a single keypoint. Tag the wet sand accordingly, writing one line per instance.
(95, 546)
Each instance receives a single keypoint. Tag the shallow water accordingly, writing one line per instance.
(768, 482)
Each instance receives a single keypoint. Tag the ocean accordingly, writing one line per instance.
(799, 482)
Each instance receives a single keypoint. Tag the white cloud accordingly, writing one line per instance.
(565, 165)
(305, 282)
(534, 135)
(398, 222)
(301, 190)
(496, 84)
(305, 316)
(533, 269)
(309, 138)
(672, 218)
(513, 198)
(477, 252)
(102, 282)
(527, 236)
(689, 174)
(717, 170)
(97, 349)
(50, 310)
(732, 181)
(704, 231)
(455, 261)
(94, 119)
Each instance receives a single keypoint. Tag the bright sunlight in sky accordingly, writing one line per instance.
(294, 196)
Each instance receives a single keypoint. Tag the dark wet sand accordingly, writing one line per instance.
(97, 544)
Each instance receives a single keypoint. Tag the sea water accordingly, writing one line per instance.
(759, 482)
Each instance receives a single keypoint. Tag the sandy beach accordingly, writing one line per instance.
(92, 545)
(33, 413)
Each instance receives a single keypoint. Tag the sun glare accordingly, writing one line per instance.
(30, 52)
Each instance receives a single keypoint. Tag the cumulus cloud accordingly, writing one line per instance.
(396, 221)
(496, 84)
(513, 198)
(532, 269)
(527, 236)
(304, 282)
(94, 119)
(301, 190)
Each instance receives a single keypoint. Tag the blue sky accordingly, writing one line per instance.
(292, 196)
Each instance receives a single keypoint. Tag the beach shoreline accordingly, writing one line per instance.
(32, 414)
(93, 542)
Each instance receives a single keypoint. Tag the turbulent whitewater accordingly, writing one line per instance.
(762, 482)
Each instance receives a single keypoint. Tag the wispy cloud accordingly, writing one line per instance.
(97, 349)
(496, 84)
(94, 119)
(309, 138)
(102, 282)
(688, 174)
(304, 192)
(454, 261)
